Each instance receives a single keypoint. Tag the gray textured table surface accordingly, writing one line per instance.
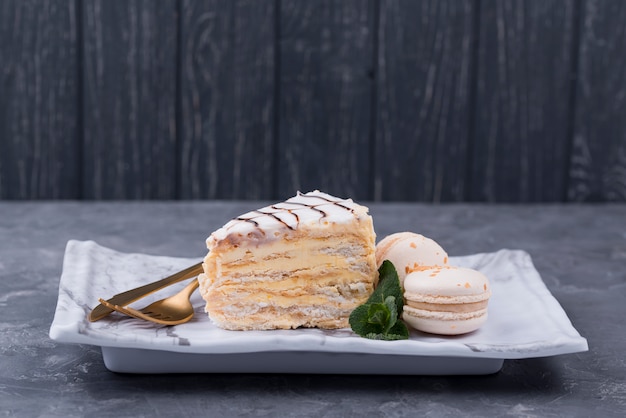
(580, 252)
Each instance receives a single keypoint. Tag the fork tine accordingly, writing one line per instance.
(140, 315)
(121, 309)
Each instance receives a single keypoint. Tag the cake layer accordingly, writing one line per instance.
(281, 257)
(249, 317)
(258, 301)
(335, 295)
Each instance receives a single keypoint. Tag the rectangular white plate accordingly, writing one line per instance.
(525, 321)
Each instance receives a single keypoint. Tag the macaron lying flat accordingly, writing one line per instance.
(446, 300)
(409, 251)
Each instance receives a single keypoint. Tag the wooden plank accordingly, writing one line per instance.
(521, 140)
(38, 100)
(129, 99)
(326, 51)
(598, 164)
(424, 74)
(227, 99)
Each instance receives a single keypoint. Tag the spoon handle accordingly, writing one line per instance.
(132, 295)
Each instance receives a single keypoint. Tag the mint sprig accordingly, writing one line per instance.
(377, 319)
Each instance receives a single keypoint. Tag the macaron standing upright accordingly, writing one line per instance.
(409, 252)
(446, 300)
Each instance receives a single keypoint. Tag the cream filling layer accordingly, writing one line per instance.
(331, 285)
(312, 263)
(447, 300)
(297, 243)
(450, 307)
(224, 298)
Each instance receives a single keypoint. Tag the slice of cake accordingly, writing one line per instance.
(305, 262)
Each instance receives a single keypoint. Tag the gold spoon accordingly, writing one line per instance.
(173, 310)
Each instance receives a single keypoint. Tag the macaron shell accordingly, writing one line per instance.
(440, 323)
(447, 284)
(409, 251)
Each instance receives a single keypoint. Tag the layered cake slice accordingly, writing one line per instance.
(305, 262)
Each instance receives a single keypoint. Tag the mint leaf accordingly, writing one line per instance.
(388, 285)
(390, 303)
(359, 321)
(378, 313)
(388, 336)
(399, 330)
(377, 318)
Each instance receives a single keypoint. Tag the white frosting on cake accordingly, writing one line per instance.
(272, 221)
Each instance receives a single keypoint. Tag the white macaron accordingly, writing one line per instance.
(446, 300)
(409, 251)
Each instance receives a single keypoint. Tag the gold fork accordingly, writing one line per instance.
(123, 299)
(173, 310)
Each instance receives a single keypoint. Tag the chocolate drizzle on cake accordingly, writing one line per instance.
(306, 206)
(251, 220)
(289, 214)
(288, 210)
(276, 217)
(314, 207)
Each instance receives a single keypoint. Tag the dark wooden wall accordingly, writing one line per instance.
(442, 100)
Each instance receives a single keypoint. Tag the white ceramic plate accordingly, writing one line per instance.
(525, 321)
